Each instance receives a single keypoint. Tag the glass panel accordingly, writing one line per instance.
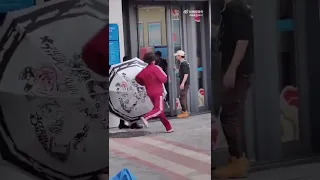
(289, 117)
(198, 18)
(141, 34)
(153, 33)
(176, 42)
(176, 34)
(152, 28)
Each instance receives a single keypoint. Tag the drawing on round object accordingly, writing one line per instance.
(40, 63)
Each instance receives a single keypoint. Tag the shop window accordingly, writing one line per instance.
(152, 27)
(141, 32)
(198, 18)
(289, 117)
(154, 34)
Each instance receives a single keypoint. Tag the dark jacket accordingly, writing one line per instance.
(236, 24)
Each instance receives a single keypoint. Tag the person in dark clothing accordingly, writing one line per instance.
(125, 58)
(122, 124)
(236, 47)
(184, 76)
(161, 62)
(164, 65)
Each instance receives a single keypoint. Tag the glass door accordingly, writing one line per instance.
(174, 32)
(152, 33)
(197, 48)
(168, 29)
(203, 59)
(291, 70)
(293, 79)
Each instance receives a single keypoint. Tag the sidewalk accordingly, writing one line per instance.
(298, 172)
(182, 155)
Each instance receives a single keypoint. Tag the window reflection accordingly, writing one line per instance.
(198, 18)
(289, 117)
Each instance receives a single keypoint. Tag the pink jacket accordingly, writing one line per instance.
(152, 77)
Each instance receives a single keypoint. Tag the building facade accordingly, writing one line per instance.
(168, 26)
(116, 18)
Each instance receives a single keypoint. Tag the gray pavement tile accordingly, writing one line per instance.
(194, 132)
(141, 172)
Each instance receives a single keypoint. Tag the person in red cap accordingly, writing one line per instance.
(153, 78)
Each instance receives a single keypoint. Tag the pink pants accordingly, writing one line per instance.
(158, 111)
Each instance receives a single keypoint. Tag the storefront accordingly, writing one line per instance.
(168, 26)
(282, 116)
(116, 39)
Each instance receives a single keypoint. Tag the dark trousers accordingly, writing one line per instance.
(232, 114)
(183, 94)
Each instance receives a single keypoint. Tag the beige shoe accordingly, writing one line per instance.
(237, 168)
(184, 114)
(233, 158)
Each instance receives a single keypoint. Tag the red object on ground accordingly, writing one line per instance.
(95, 53)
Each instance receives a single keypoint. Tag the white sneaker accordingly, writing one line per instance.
(170, 130)
(145, 122)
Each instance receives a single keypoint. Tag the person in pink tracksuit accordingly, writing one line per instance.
(153, 77)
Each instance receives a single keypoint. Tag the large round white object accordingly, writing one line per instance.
(128, 99)
(113, 121)
(54, 108)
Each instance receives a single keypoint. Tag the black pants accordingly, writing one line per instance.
(232, 114)
(183, 98)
